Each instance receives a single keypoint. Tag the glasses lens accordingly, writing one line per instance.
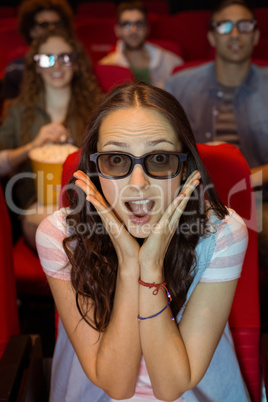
(126, 24)
(44, 60)
(162, 165)
(114, 165)
(140, 24)
(65, 59)
(224, 27)
(48, 24)
(44, 24)
(246, 26)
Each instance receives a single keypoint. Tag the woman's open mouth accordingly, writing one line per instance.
(140, 210)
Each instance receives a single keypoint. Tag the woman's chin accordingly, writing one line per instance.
(139, 231)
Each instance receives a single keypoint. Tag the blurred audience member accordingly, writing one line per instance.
(149, 63)
(58, 92)
(36, 17)
(227, 100)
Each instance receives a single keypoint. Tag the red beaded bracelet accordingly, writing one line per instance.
(158, 286)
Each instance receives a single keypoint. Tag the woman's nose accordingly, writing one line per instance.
(138, 177)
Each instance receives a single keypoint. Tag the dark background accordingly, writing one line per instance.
(174, 5)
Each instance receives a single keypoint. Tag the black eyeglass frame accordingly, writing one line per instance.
(138, 161)
(139, 24)
(57, 57)
(47, 24)
(216, 24)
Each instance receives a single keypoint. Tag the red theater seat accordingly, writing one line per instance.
(9, 319)
(7, 12)
(30, 277)
(159, 7)
(97, 35)
(184, 28)
(11, 42)
(109, 76)
(172, 46)
(24, 266)
(231, 175)
(98, 8)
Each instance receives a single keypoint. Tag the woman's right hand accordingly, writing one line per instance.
(52, 132)
(126, 247)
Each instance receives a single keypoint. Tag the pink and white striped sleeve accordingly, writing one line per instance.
(49, 237)
(230, 249)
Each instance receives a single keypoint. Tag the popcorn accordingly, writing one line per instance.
(52, 153)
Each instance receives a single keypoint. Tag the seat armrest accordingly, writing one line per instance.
(21, 370)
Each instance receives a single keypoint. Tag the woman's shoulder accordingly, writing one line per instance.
(231, 225)
(226, 248)
(55, 224)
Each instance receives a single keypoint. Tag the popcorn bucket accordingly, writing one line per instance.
(47, 163)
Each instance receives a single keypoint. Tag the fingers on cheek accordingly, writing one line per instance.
(97, 204)
(195, 183)
(79, 175)
(79, 183)
(191, 187)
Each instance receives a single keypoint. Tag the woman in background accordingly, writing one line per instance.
(58, 93)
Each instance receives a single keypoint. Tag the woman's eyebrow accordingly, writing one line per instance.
(148, 143)
(117, 144)
(156, 142)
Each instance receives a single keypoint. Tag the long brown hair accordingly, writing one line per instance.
(85, 90)
(93, 258)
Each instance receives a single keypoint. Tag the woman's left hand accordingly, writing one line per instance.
(153, 251)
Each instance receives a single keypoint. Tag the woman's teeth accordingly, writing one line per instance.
(141, 202)
(140, 207)
(56, 75)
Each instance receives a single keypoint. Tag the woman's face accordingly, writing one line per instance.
(138, 200)
(59, 75)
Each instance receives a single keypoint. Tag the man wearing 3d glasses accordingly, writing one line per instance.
(227, 100)
(36, 17)
(148, 62)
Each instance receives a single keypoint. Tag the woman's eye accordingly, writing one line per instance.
(160, 158)
(116, 160)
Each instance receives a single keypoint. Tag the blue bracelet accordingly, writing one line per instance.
(154, 315)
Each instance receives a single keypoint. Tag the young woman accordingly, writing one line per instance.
(142, 268)
(59, 91)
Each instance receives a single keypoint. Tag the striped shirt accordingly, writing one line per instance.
(225, 265)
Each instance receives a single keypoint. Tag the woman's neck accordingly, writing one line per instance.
(57, 101)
